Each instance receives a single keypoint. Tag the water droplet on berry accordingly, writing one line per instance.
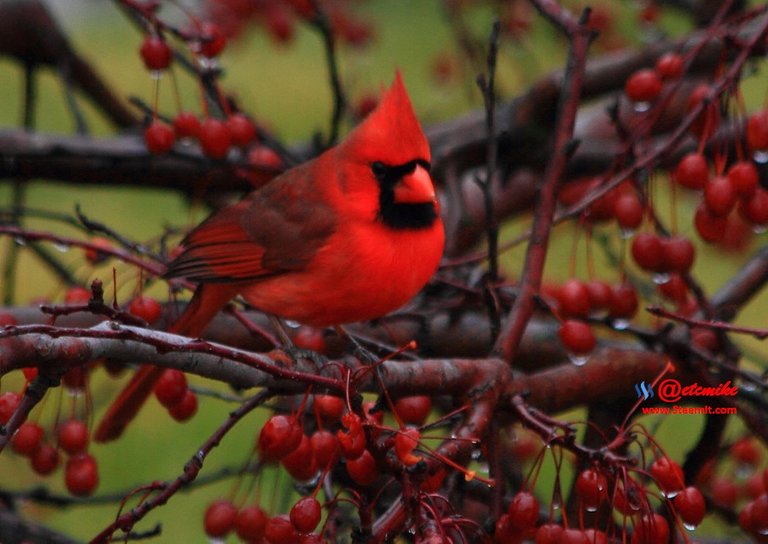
(760, 156)
(626, 234)
(156, 75)
(591, 508)
(620, 324)
(578, 360)
(759, 229)
(641, 107)
(661, 278)
(292, 324)
(689, 526)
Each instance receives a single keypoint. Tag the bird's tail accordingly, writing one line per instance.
(205, 304)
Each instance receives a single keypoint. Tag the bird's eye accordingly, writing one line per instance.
(379, 169)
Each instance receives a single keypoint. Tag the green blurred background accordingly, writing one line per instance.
(284, 86)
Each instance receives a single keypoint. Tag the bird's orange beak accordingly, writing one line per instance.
(415, 188)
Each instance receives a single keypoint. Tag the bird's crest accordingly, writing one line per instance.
(390, 133)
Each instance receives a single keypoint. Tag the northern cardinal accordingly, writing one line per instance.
(348, 236)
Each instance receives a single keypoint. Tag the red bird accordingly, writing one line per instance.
(348, 236)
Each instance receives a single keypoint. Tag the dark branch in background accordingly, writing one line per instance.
(321, 23)
(16, 529)
(31, 35)
(487, 87)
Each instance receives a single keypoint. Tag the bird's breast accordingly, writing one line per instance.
(364, 271)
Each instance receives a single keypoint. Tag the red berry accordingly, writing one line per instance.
(667, 474)
(279, 530)
(724, 491)
(628, 211)
(279, 436)
(301, 462)
(159, 138)
(405, 442)
(765, 479)
(675, 289)
(746, 451)
(363, 469)
(523, 511)
(577, 337)
(311, 338)
(647, 252)
(326, 447)
(7, 320)
(219, 518)
(30, 373)
(305, 514)
(549, 533)
(753, 487)
(651, 529)
(45, 460)
(755, 209)
(744, 178)
(757, 130)
(599, 295)
(760, 514)
(77, 295)
(212, 40)
(690, 506)
(692, 171)
(669, 66)
(591, 487)
(262, 156)
(573, 297)
(241, 129)
(678, 254)
(595, 536)
(28, 438)
(329, 407)
(184, 409)
(624, 302)
(8, 403)
(155, 53)
(745, 518)
(186, 125)
(92, 254)
(413, 409)
(710, 227)
(643, 85)
(251, 523)
(214, 138)
(75, 378)
(573, 536)
(171, 387)
(81, 475)
(146, 308)
(73, 436)
(719, 195)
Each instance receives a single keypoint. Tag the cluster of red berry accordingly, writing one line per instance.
(215, 136)
(81, 475)
(606, 488)
(340, 441)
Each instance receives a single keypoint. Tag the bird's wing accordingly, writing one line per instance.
(276, 229)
